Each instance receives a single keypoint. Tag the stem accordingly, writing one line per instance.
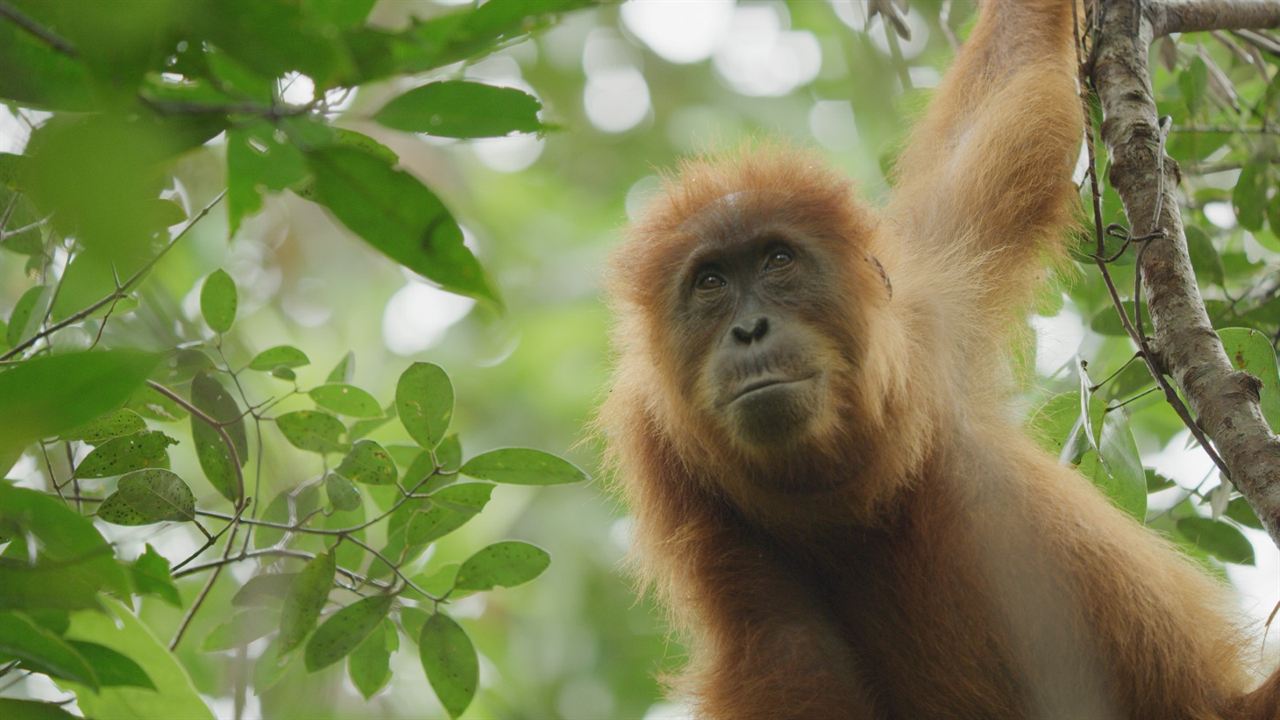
(119, 293)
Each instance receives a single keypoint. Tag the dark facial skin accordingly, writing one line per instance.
(760, 365)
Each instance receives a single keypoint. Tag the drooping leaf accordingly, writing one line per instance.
(368, 463)
(113, 669)
(149, 496)
(218, 301)
(120, 455)
(424, 403)
(450, 662)
(1250, 195)
(151, 576)
(121, 631)
(522, 466)
(312, 430)
(398, 215)
(462, 109)
(1217, 538)
(344, 630)
(1120, 473)
(280, 356)
(243, 628)
(42, 651)
(72, 561)
(369, 665)
(342, 494)
(504, 564)
(216, 459)
(53, 394)
(15, 709)
(305, 601)
(346, 400)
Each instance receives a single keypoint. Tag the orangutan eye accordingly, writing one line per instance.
(778, 259)
(709, 280)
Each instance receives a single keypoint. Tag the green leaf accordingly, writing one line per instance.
(151, 576)
(312, 430)
(342, 494)
(42, 651)
(218, 301)
(243, 628)
(1121, 475)
(32, 710)
(1054, 420)
(461, 109)
(1242, 512)
(28, 313)
(449, 453)
(504, 564)
(1217, 538)
(174, 696)
(450, 662)
(396, 214)
(1250, 195)
(1193, 81)
(450, 508)
(305, 601)
(344, 630)
(52, 394)
(369, 665)
(114, 424)
(287, 508)
(219, 466)
(412, 620)
(48, 79)
(280, 356)
(1252, 352)
(424, 403)
(149, 496)
(72, 562)
(368, 463)
(340, 13)
(441, 582)
(264, 590)
(123, 454)
(522, 466)
(344, 370)
(113, 669)
(346, 400)
(257, 161)
(1204, 256)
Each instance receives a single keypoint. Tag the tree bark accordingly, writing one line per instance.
(1179, 16)
(1223, 399)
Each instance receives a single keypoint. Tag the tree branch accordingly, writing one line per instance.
(1180, 16)
(1224, 400)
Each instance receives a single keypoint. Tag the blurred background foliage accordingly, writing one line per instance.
(626, 90)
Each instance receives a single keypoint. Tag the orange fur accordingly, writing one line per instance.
(917, 556)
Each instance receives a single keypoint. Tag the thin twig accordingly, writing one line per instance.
(128, 284)
(36, 30)
(200, 415)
